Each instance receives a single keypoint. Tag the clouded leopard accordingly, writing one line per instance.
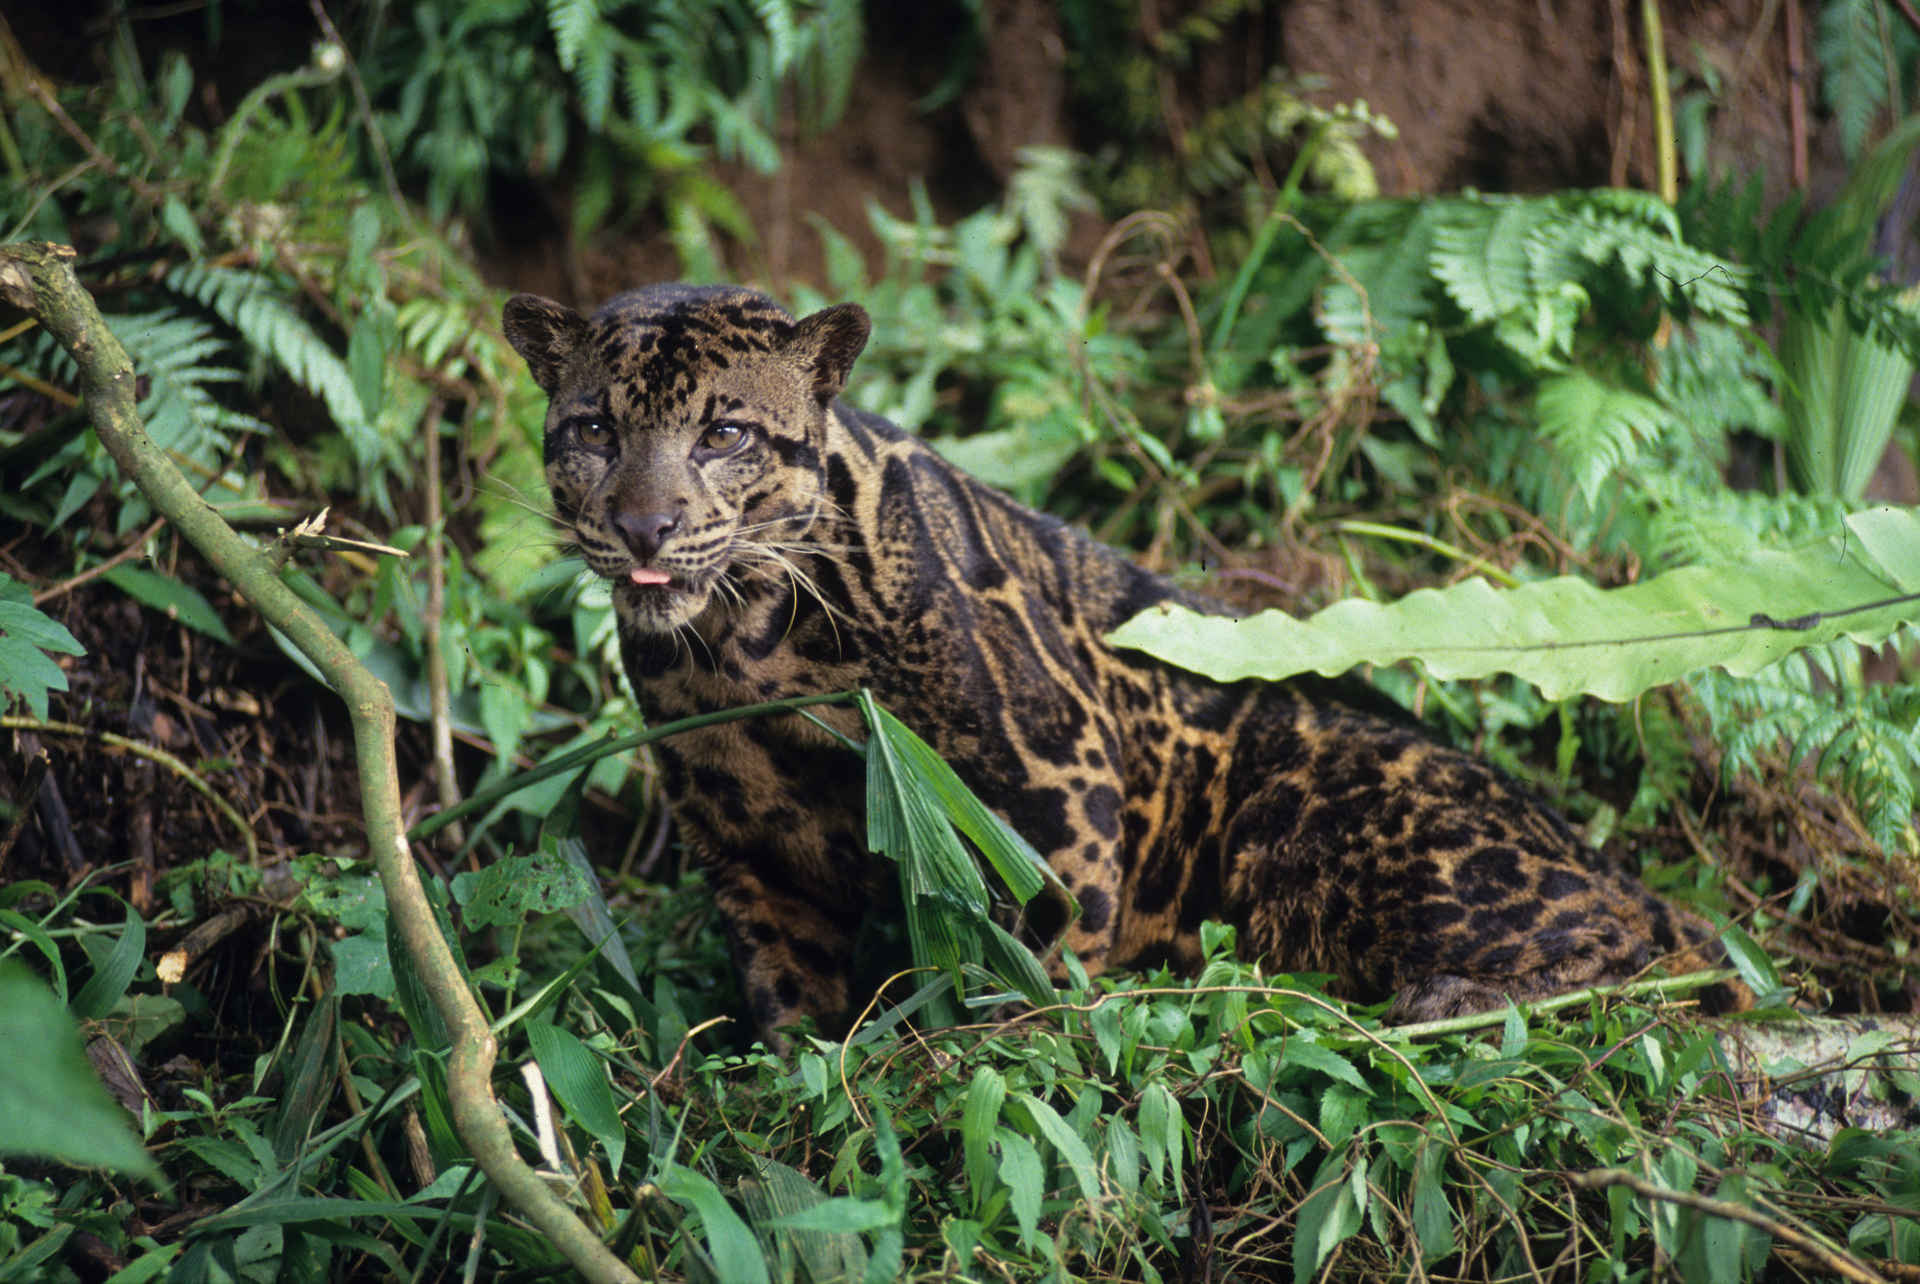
(765, 540)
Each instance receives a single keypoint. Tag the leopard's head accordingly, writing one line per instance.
(685, 438)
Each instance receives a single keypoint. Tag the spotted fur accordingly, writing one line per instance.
(765, 540)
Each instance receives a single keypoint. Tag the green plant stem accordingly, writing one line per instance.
(1380, 530)
(1666, 167)
(1661, 985)
(286, 82)
(38, 278)
(152, 753)
(1281, 216)
(609, 744)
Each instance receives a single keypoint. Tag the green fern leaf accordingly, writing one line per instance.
(1630, 203)
(572, 22)
(245, 301)
(776, 16)
(593, 75)
(1595, 427)
(174, 354)
(1853, 67)
(838, 41)
(1679, 273)
(1390, 269)
(1480, 254)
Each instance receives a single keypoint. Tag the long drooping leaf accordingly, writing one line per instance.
(1566, 636)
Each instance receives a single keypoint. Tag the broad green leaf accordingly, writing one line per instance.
(579, 1079)
(1070, 1145)
(508, 889)
(1025, 1176)
(294, 1209)
(1161, 1125)
(783, 1192)
(1755, 968)
(979, 1119)
(1012, 857)
(1432, 1215)
(360, 964)
(310, 1079)
(1326, 1217)
(736, 1253)
(25, 929)
(1314, 1056)
(51, 1103)
(840, 1216)
(110, 980)
(25, 635)
(172, 598)
(1567, 636)
(1015, 962)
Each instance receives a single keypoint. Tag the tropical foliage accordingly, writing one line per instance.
(1590, 413)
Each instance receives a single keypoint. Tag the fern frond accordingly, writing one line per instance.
(1480, 253)
(247, 302)
(1853, 67)
(776, 17)
(593, 75)
(572, 22)
(837, 38)
(1862, 742)
(1594, 427)
(1718, 379)
(1682, 275)
(1390, 266)
(1693, 523)
(1631, 203)
(172, 353)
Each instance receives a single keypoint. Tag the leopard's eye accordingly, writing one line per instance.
(595, 434)
(723, 437)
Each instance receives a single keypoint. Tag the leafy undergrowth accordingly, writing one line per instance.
(1159, 1127)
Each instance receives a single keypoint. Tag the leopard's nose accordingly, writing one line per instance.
(644, 532)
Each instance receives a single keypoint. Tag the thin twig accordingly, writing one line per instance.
(131, 551)
(439, 698)
(363, 105)
(1796, 94)
(1833, 1259)
(153, 753)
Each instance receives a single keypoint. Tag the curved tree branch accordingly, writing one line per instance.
(38, 278)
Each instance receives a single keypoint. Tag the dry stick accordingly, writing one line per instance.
(1797, 94)
(1840, 1263)
(131, 551)
(438, 695)
(38, 278)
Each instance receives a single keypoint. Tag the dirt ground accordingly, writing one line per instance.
(1500, 95)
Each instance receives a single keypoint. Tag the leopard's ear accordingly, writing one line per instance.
(826, 343)
(545, 333)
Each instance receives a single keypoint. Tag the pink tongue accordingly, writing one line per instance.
(649, 575)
